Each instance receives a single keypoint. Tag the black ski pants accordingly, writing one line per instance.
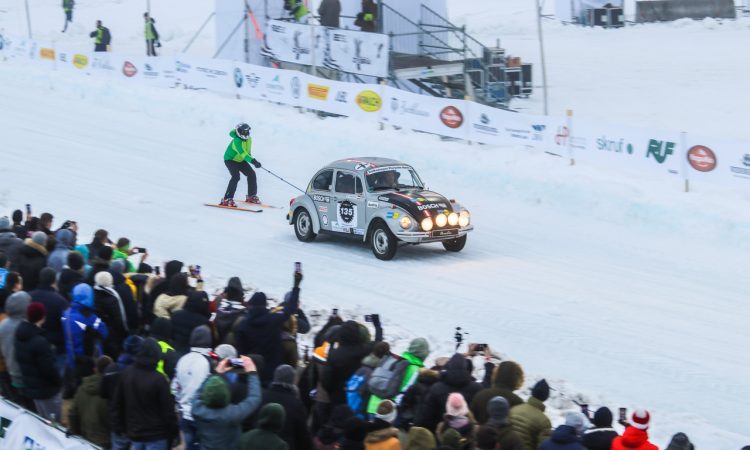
(235, 168)
(150, 49)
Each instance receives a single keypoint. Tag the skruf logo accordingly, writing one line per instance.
(369, 101)
(80, 61)
(452, 117)
(238, 79)
(660, 150)
(701, 158)
(129, 69)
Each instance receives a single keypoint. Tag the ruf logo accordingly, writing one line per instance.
(660, 150)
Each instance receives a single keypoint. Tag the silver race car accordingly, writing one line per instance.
(381, 201)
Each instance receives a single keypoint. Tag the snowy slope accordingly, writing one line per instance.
(620, 289)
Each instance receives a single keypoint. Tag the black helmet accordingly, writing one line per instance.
(243, 131)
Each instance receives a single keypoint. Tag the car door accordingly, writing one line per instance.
(320, 191)
(349, 202)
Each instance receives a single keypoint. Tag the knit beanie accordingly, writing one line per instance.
(498, 409)
(35, 312)
(386, 411)
(420, 348)
(680, 441)
(540, 391)
(39, 238)
(603, 417)
(456, 405)
(451, 438)
(576, 420)
(47, 277)
(215, 392)
(380, 349)
(284, 374)
(118, 266)
(640, 419)
(420, 439)
(17, 216)
(200, 337)
(103, 279)
(132, 344)
(224, 350)
(258, 300)
(4, 223)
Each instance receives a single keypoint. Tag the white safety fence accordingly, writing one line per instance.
(666, 154)
(20, 429)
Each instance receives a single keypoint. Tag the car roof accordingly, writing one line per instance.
(364, 163)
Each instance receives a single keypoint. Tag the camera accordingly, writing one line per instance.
(370, 317)
(28, 209)
(298, 267)
(623, 415)
(335, 312)
(136, 250)
(237, 363)
(157, 271)
(480, 347)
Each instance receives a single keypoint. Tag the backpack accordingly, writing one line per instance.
(386, 379)
(356, 391)
(106, 37)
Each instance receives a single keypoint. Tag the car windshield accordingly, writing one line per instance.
(396, 177)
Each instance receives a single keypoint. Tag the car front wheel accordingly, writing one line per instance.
(384, 243)
(303, 225)
(455, 245)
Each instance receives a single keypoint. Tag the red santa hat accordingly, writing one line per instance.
(640, 419)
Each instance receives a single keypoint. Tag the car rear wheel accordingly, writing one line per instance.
(303, 225)
(384, 244)
(455, 245)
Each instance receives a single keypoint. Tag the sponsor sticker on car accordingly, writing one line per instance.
(444, 233)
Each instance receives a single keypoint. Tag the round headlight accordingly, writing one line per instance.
(453, 219)
(463, 218)
(441, 220)
(427, 224)
(405, 222)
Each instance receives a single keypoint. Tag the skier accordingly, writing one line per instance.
(236, 158)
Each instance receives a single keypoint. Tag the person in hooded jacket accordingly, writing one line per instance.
(84, 330)
(506, 378)
(218, 422)
(529, 420)
(600, 437)
(15, 308)
(32, 258)
(498, 410)
(19, 228)
(456, 377)
(143, 406)
(59, 256)
(260, 331)
(110, 380)
(680, 441)
(99, 263)
(88, 415)
(230, 310)
(70, 275)
(175, 297)
(420, 439)
(192, 369)
(567, 436)
(55, 305)
(122, 286)
(458, 417)
(10, 243)
(192, 315)
(110, 309)
(271, 420)
(635, 436)
(161, 331)
(36, 358)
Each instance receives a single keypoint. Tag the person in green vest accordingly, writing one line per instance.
(418, 351)
(68, 9)
(297, 9)
(152, 36)
(238, 158)
(101, 36)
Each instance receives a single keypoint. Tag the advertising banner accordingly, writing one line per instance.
(69, 60)
(216, 75)
(273, 85)
(294, 42)
(717, 161)
(8, 414)
(336, 97)
(446, 117)
(29, 432)
(357, 52)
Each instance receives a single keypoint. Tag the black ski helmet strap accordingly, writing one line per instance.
(243, 130)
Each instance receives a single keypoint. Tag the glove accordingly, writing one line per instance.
(369, 17)
(256, 163)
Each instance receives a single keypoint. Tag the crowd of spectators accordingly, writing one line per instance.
(95, 338)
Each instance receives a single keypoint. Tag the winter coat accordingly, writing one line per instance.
(89, 414)
(295, 431)
(192, 370)
(36, 359)
(239, 150)
(219, 428)
(15, 308)
(343, 361)
(563, 438)
(10, 244)
(228, 317)
(410, 377)
(329, 12)
(599, 438)
(382, 436)
(123, 289)
(260, 333)
(143, 407)
(56, 306)
(455, 378)
(67, 280)
(267, 436)
(367, 19)
(415, 395)
(166, 304)
(32, 258)
(466, 427)
(633, 439)
(530, 422)
(110, 309)
(78, 323)
(507, 437)
(503, 386)
(193, 314)
(59, 256)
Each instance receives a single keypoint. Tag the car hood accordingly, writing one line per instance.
(417, 202)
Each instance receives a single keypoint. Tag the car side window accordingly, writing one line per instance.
(359, 185)
(323, 181)
(345, 183)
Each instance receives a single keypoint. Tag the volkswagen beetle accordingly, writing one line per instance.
(381, 201)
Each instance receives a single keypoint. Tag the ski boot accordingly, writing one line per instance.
(228, 202)
(252, 199)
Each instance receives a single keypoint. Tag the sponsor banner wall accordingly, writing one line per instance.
(717, 161)
(441, 116)
(22, 430)
(357, 52)
(215, 75)
(331, 96)
(265, 83)
(71, 60)
(294, 42)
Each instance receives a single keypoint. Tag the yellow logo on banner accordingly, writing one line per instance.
(369, 101)
(317, 92)
(47, 53)
(80, 61)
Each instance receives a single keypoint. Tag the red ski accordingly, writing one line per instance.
(236, 208)
(259, 205)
